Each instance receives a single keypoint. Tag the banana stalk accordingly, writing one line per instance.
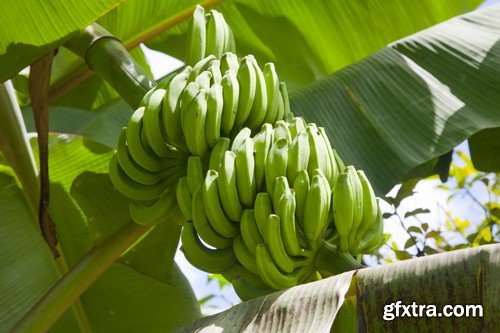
(106, 56)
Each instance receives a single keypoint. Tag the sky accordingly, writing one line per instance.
(426, 196)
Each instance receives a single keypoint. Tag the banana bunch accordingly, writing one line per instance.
(267, 214)
(208, 34)
(187, 114)
(262, 196)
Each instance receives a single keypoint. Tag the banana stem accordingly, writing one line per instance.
(330, 261)
(105, 55)
(15, 146)
(67, 290)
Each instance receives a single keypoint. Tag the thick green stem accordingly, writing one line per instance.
(330, 261)
(15, 145)
(107, 57)
(62, 295)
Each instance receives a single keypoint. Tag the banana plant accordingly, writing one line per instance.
(110, 274)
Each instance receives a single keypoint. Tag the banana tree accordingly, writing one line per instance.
(435, 88)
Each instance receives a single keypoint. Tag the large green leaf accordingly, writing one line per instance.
(455, 278)
(485, 149)
(26, 268)
(32, 28)
(136, 293)
(412, 101)
(102, 125)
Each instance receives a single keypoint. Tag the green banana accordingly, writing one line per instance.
(285, 209)
(201, 66)
(196, 42)
(231, 96)
(216, 73)
(194, 124)
(274, 241)
(228, 191)
(188, 95)
(326, 184)
(240, 139)
(184, 198)
(247, 79)
(145, 99)
(281, 131)
(259, 107)
(331, 157)
(131, 188)
(283, 102)
(297, 126)
(171, 112)
(131, 168)
(152, 125)
(229, 62)
(217, 153)
(268, 271)
(243, 254)
(374, 237)
(262, 209)
(370, 208)
(231, 45)
(272, 92)
(215, 34)
(280, 113)
(343, 208)
(286, 101)
(245, 173)
(280, 186)
(215, 104)
(301, 187)
(358, 204)
(203, 227)
(213, 209)
(228, 37)
(250, 231)
(318, 155)
(316, 209)
(142, 155)
(204, 79)
(327, 167)
(262, 144)
(276, 163)
(209, 260)
(298, 156)
(158, 212)
(195, 174)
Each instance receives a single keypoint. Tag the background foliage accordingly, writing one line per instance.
(393, 105)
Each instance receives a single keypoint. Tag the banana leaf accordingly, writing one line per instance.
(31, 28)
(365, 300)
